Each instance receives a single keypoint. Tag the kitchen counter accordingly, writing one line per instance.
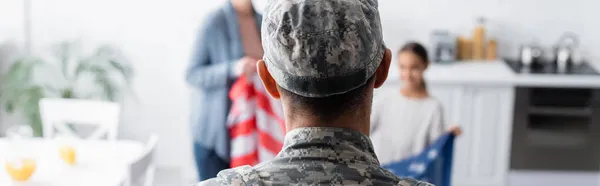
(480, 97)
(498, 73)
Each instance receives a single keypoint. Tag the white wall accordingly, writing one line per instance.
(11, 18)
(157, 36)
(511, 22)
(11, 29)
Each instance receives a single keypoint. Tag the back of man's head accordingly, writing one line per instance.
(323, 57)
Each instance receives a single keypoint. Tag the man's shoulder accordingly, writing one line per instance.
(209, 182)
(215, 182)
(403, 181)
(249, 176)
(412, 182)
(239, 176)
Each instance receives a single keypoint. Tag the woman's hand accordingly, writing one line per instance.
(245, 66)
(456, 130)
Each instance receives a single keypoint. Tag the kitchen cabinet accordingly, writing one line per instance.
(485, 115)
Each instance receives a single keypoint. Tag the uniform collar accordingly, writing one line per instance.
(327, 141)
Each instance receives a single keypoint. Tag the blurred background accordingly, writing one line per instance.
(523, 121)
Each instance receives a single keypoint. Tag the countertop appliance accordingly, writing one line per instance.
(549, 67)
(444, 47)
(565, 51)
(530, 54)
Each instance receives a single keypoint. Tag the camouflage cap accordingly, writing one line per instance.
(319, 48)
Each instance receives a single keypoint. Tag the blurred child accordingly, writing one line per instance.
(406, 122)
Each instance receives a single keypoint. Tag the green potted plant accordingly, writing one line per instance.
(102, 75)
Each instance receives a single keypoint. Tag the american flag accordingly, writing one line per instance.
(433, 165)
(255, 123)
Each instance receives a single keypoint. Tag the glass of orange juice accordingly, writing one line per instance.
(68, 154)
(67, 150)
(20, 166)
(20, 169)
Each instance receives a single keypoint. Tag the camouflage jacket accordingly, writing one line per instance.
(317, 156)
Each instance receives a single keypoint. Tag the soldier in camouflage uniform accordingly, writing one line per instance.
(323, 58)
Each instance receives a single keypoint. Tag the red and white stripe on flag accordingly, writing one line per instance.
(255, 123)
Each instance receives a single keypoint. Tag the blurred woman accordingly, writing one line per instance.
(228, 46)
(404, 123)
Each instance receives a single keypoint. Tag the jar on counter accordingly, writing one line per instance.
(464, 48)
(479, 40)
(491, 50)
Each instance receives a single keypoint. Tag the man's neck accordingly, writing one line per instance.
(359, 121)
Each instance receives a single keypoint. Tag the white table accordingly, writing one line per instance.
(101, 163)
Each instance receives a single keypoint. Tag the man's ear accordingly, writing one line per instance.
(382, 71)
(267, 79)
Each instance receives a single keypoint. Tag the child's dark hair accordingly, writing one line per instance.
(416, 49)
(419, 51)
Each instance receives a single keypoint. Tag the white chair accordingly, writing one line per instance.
(56, 113)
(141, 172)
